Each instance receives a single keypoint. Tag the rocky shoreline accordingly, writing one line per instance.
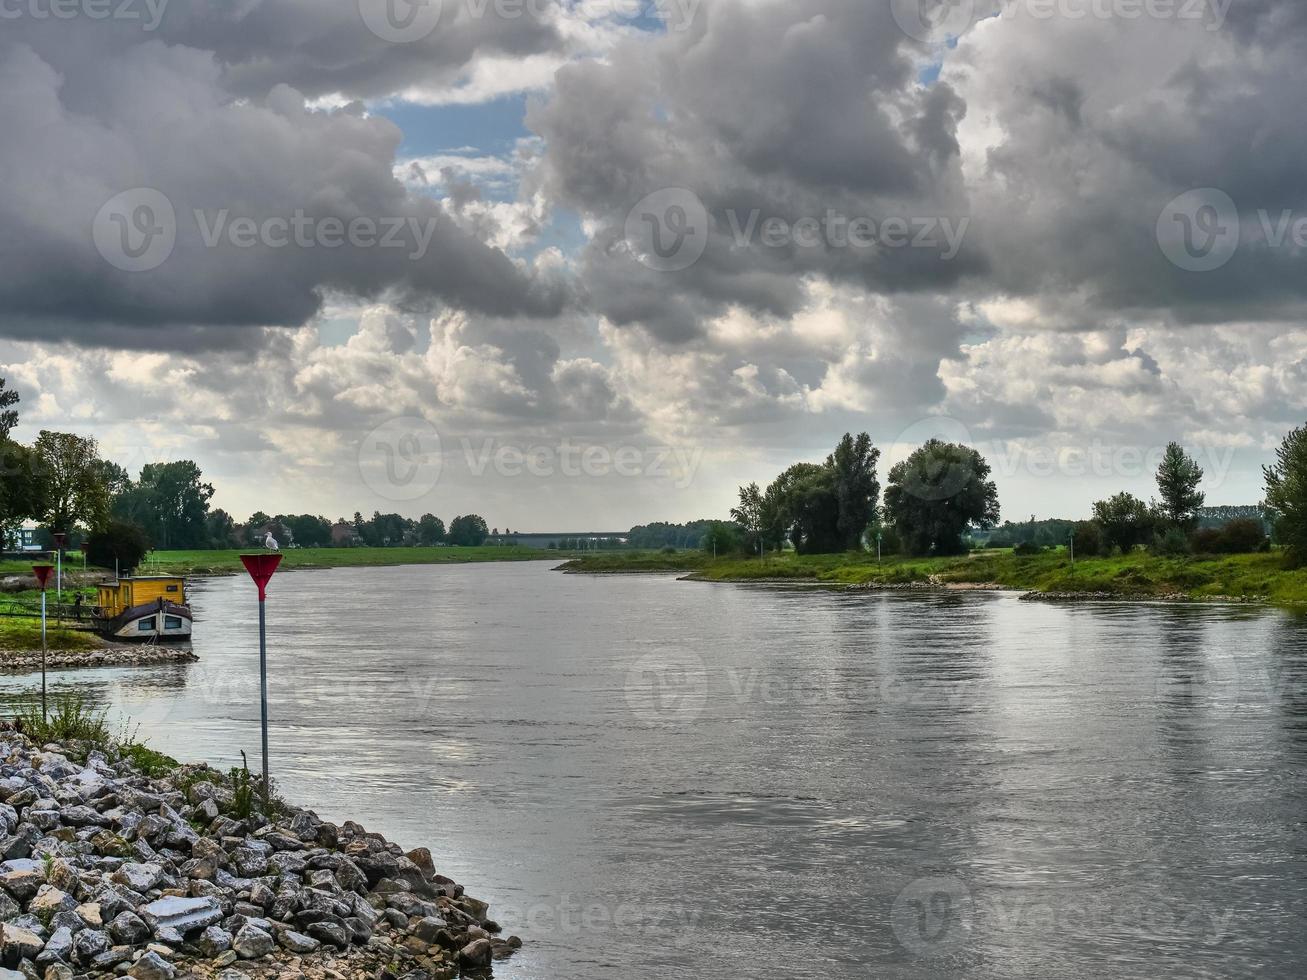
(110, 655)
(105, 872)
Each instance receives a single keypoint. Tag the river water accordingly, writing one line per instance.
(655, 778)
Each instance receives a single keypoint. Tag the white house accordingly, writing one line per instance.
(22, 538)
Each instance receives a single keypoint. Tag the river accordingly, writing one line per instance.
(648, 777)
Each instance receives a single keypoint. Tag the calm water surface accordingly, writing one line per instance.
(653, 778)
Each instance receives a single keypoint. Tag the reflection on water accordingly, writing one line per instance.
(651, 777)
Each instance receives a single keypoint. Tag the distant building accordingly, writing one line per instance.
(22, 538)
(343, 535)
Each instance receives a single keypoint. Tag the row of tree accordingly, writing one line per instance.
(61, 482)
(932, 499)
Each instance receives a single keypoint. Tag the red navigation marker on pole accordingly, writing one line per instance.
(261, 568)
(42, 573)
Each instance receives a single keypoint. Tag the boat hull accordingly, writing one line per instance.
(151, 623)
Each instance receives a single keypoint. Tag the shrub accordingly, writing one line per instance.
(120, 543)
(1238, 537)
(1172, 544)
(147, 761)
(1087, 539)
(1026, 548)
(71, 719)
(1209, 541)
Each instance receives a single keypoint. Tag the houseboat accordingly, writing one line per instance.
(146, 607)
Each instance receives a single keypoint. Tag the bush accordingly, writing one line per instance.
(148, 762)
(119, 543)
(1087, 539)
(1172, 544)
(1026, 549)
(1238, 537)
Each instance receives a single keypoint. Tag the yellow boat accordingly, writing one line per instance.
(146, 607)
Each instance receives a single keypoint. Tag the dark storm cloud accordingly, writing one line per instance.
(157, 117)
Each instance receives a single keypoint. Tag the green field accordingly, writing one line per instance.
(1261, 577)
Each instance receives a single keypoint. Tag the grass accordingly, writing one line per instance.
(1249, 577)
(21, 634)
(225, 562)
(70, 719)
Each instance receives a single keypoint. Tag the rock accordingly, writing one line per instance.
(213, 942)
(183, 914)
(128, 929)
(90, 914)
(428, 928)
(152, 966)
(298, 943)
(138, 877)
(82, 816)
(21, 878)
(18, 943)
(227, 959)
(49, 901)
(329, 933)
(251, 943)
(88, 944)
(476, 954)
(58, 948)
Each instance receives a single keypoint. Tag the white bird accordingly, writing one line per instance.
(271, 543)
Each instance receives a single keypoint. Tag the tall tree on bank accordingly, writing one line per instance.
(19, 489)
(469, 530)
(70, 478)
(857, 491)
(937, 493)
(178, 499)
(1286, 495)
(1178, 477)
(749, 515)
(8, 414)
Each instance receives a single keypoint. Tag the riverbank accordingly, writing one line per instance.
(1244, 578)
(121, 861)
(104, 655)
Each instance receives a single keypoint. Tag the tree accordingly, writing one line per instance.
(431, 530)
(222, 530)
(857, 491)
(20, 490)
(1127, 521)
(176, 501)
(1087, 539)
(70, 480)
(722, 539)
(308, 531)
(8, 414)
(749, 516)
(806, 509)
(119, 544)
(1286, 495)
(1178, 477)
(470, 530)
(938, 492)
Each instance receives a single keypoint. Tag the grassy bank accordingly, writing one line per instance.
(1251, 577)
(226, 562)
(21, 634)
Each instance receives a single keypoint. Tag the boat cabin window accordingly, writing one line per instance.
(172, 622)
(146, 626)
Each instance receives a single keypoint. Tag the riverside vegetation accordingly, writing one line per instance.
(117, 860)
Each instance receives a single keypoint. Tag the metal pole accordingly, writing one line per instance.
(263, 691)
(45, 711)
(1071, 542)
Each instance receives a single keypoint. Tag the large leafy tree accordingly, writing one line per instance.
(749, 515)
(70, 480)
(938, 492)
(1126, 520)
(8, 414)
(857, 491)
(119, 544)
(20, 486)
(176, 503)
(468, 530)
(806, 508)
(1286, 495)
(431, 529)
(1178, 477)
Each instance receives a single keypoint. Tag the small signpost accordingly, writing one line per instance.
(42, 573)
(59, 540)
(261, 568)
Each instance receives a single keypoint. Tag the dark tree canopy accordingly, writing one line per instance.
(1286, 495)
(469, 530)
(1126, 520)
(822, 508)
(936, 494)
(119, 544)
(1178, 477)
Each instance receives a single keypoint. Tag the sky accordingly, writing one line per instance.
(583, 265)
